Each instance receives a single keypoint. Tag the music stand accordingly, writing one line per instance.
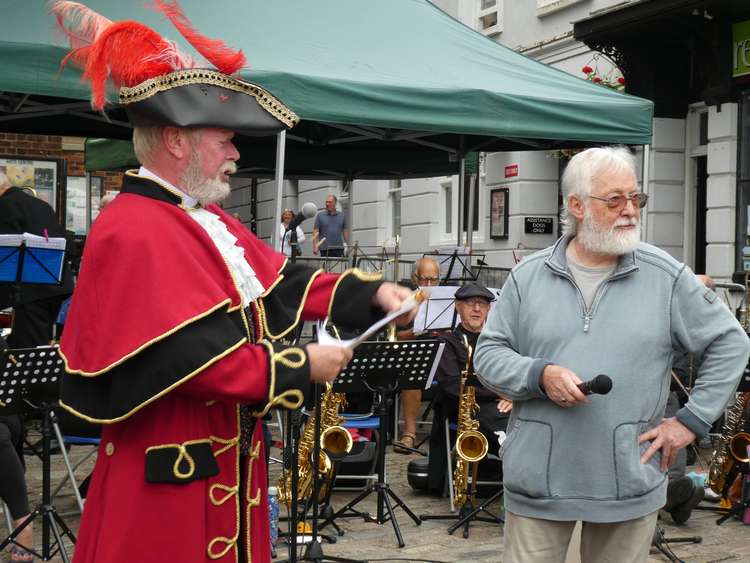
(384, 367)
(455, 264)
(29, 382)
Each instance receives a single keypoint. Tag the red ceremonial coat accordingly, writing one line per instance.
(158, 349)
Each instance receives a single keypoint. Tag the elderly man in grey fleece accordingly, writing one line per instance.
(600, 301)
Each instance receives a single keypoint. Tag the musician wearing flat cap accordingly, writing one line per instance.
(181, 367)
(600, 303)
(472, 303)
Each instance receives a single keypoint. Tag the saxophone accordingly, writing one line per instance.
(732, 446)
(471, 445)
(335, 442)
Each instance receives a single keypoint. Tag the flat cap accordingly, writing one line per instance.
(474, 290)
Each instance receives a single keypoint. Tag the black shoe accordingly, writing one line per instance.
(681, 513)
(678, 492)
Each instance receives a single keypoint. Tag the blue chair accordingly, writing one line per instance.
(361, 422)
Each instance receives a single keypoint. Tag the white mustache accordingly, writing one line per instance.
(626, 222)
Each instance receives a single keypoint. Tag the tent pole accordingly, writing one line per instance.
(459, 222)
(280, 152)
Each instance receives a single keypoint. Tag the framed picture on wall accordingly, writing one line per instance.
(39, 176)
(499, 213)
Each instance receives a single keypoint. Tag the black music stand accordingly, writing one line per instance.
(455, 266)
(29, 382)
(384, 367)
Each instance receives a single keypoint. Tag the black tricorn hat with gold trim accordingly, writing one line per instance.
(159, 84)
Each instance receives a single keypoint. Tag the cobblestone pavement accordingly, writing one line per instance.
(429, 541)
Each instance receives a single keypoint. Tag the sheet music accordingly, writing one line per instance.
(327, 340)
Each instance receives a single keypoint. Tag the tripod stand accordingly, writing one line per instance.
(23, 384)
(468, 513)
(372, 368)
(661, 543)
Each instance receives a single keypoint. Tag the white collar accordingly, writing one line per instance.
(187, 200)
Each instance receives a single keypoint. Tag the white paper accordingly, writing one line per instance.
(326, 339)
(36, 241)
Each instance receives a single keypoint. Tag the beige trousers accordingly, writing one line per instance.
(532, 540)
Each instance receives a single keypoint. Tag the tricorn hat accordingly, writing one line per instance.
(159, 84)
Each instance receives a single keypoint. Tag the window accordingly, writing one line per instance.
(489, 20)
(394, 203)
(448, 207)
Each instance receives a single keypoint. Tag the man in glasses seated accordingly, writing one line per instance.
(600, 302)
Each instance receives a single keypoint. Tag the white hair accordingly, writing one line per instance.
(146, 141)
(577, 180)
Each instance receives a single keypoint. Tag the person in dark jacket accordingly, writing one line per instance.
(36, 307)
(473, 305)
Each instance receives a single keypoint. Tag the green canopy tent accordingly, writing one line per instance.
(394, 88)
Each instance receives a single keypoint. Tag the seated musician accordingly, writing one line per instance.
(472, 305)
(426, 273)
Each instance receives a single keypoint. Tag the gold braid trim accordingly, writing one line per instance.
(228, 444)
(176, 79)
(280, 277)
(230, 543)
(283, 398)
(158, 395)
(183, 455)
(264, 316)
(231, 491)
(282, 358)
(69, 370)
(357, 273)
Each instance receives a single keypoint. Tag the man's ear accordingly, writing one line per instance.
(176, 142)
(576, 207)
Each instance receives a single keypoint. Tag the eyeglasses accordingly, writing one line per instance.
(477, 302)
(617, 201)
(428, 280)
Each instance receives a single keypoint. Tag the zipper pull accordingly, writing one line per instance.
(586, 323)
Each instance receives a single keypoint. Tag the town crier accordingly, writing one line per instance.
(172, 341)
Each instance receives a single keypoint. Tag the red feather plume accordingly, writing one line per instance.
(129, 53)
(226, 60)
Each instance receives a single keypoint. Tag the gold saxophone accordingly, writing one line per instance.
(732, 447)
(471, 445)
(335, 441)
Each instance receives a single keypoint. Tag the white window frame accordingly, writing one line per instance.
(693, 150)
(394, 187)
(448, 183)
(497, 9)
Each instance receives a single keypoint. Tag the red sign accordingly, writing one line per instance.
(511, 171)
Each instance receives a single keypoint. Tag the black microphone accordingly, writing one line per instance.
(601, 385)
(308, 210)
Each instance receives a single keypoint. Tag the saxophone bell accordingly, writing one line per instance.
(336, 442)
(471, 446)
(738, 447)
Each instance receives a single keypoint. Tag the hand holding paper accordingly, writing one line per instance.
(391, 297)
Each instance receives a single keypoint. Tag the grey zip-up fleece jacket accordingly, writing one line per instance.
(583, 463)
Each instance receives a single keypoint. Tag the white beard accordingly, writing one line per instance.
(610, 241)
(206, 190)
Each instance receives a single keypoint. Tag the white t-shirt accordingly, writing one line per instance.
(284, 245)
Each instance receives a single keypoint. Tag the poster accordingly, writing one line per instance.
(499, 213)
(39, 175)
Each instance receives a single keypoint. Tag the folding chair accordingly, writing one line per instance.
(361, 422)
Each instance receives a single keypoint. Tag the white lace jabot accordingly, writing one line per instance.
(234, 255)
(226, 243)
